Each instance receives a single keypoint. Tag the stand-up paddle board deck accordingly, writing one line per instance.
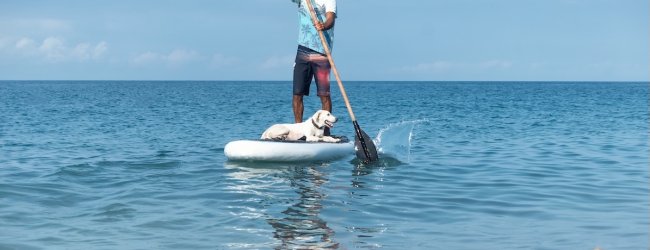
(287, 151)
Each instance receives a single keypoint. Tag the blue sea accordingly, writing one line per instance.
(465, 165)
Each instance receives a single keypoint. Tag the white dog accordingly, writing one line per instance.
(312, 129)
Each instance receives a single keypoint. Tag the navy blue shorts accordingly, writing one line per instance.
(311, 64)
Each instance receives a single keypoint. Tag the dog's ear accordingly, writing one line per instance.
(318, 115)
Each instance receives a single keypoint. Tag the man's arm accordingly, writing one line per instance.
(328, 24)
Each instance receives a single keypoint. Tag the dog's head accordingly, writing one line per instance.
(324, 118)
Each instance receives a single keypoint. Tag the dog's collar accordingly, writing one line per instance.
(315, 125)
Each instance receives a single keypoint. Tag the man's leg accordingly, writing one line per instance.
(302, 75)
(326, 102)
(298, 108)
(322, 73)
(327, 105)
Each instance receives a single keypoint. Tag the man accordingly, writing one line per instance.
(311, 60)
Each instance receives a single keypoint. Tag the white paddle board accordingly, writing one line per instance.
(287, 151)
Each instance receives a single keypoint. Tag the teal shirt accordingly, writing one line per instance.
(307, 33)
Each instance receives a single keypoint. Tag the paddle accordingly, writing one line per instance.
(365, 147)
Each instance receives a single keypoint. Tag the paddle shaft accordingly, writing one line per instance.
(331, 60)
(357, 129)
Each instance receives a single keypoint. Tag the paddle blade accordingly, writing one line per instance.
(364, 146)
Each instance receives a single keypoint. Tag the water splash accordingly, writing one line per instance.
(395, 140)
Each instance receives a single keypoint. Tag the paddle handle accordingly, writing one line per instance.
(331, 60)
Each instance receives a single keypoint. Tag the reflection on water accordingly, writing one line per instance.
(299, 226)
(384, 162)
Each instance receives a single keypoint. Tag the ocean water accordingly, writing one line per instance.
(465, 165)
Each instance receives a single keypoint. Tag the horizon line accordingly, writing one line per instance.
(159, 80)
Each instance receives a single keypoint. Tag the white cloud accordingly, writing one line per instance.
(219, 61)
(53, 49)
(174, 58)
(146, 58)
(85, 51)
(100, 50)
(41, 39)
(278, 62)
(81, 51)
(25, 44)
(179, 56)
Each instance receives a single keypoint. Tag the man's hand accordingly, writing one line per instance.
(328, 24)
(319, 26)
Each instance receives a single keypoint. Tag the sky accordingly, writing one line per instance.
(375, 40)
